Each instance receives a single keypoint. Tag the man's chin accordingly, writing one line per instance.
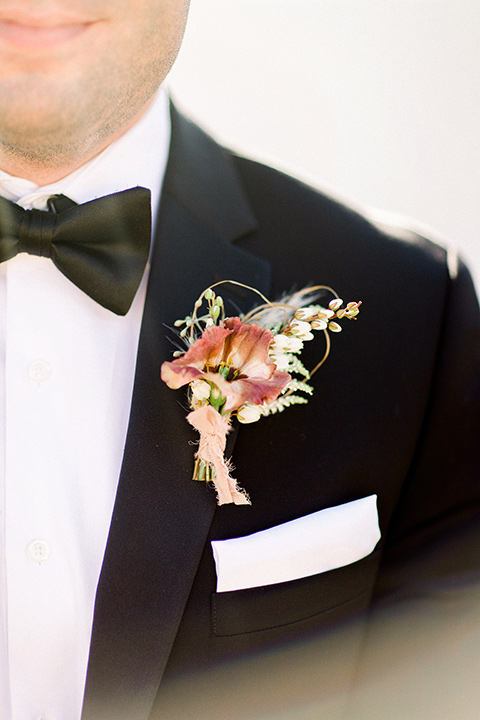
(37, 132)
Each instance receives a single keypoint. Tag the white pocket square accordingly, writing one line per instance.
(309, 545)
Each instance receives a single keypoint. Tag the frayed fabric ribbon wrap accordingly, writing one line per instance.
(213, 429)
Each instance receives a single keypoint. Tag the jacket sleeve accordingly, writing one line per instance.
(434, 536)
(420, 657)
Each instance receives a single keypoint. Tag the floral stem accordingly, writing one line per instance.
(319, 364)
(325, 356)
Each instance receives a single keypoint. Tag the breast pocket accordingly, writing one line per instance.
(325, 598)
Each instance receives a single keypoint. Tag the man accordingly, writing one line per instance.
(109, 598)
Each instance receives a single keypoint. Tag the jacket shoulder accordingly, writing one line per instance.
(297, 221)
(294, 202)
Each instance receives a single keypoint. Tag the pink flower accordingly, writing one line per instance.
(234, 358)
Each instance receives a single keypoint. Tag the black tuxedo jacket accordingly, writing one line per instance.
(395, 412)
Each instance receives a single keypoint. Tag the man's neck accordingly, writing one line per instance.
(46, 171)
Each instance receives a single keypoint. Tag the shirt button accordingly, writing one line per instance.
(39, 371)
(38, 551)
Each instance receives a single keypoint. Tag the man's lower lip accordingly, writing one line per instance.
(30, 37)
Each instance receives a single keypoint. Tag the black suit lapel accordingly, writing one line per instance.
(161, 517)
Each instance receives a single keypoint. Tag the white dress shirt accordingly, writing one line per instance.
(65, 393)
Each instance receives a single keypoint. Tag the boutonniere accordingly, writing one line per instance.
(246, 366)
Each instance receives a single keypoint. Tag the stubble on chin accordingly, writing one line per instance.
(39, 128)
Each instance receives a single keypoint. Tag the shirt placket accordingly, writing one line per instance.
(40, 604)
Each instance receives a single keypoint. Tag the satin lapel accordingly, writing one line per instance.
(161, 517)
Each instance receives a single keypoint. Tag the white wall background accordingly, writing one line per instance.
(377, 98)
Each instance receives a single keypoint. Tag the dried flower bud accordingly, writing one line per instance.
(334, 326)
(319, 324)
(353, 309)
(302, 314)
(301, 330)
(335, 304)
(324, 314)
(249, 413)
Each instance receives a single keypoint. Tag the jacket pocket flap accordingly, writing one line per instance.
(327, 596)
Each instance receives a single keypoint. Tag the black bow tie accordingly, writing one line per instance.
(101, 246)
